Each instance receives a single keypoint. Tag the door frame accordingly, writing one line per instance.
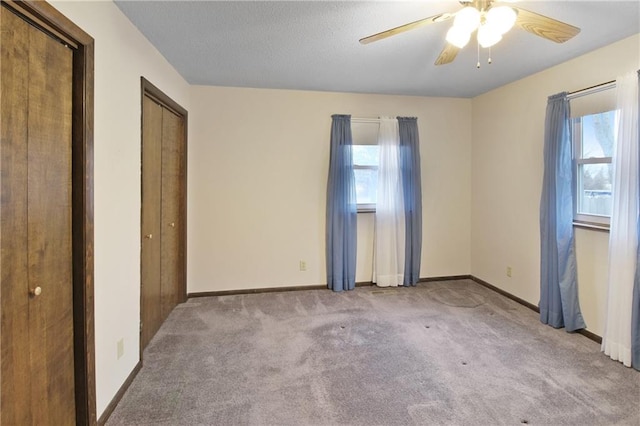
(149, 89)
(49, 20)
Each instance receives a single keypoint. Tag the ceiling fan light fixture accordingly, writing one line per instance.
(488, 36)
(458, 36)
(468, 19)
(501, 18)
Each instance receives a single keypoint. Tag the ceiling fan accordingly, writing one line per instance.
(490, 21)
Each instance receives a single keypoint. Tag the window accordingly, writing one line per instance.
(593, 142)
(365, 169)
(365, 163)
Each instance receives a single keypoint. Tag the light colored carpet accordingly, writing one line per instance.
(448, 352)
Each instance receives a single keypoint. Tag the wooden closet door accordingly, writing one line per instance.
(172, 257)
(37, 282)
(16, 383)
(163, 209)
(150, 291)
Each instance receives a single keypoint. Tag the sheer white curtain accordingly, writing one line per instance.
(388, 262)
(623, 236)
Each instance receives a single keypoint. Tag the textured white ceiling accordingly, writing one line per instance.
(313, 45)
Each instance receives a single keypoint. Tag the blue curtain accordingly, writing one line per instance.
(341, 208)
(559, 306)
(412, 191)
(635, 312)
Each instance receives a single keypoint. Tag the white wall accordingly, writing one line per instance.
(507, 166)
(122, 55)
(258, 166)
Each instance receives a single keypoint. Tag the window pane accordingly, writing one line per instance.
(366, 179)
(365, 155)
(366, 185)
(598, 134)
(594, 189)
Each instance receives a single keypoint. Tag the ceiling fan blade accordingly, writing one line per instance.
(406, 27)
(448, 54)
(545, 27)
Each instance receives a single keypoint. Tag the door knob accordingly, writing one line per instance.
(172, 224)
(148, 236)
(34, 292)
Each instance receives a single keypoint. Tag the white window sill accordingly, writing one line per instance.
(592, 226)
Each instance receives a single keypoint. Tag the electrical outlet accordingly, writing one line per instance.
(120, 349)
(303, 265)
(509, 271)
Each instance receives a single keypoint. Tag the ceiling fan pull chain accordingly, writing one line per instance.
(489, 60)
(478, 64)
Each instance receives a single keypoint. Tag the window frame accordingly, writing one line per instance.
(365, 207)
(584, 219)
(365, 132)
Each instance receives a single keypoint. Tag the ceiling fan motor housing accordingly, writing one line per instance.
(478, 4)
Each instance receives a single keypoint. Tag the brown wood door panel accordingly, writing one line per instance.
(37, 332)
(49, 230)
(151, 306)
(14, 66)
(172, 177)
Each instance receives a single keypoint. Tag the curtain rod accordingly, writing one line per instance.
(597, 87)
(365, 120)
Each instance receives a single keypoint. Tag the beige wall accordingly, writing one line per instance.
(122, 55)
(507, 166)
(258, 165)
